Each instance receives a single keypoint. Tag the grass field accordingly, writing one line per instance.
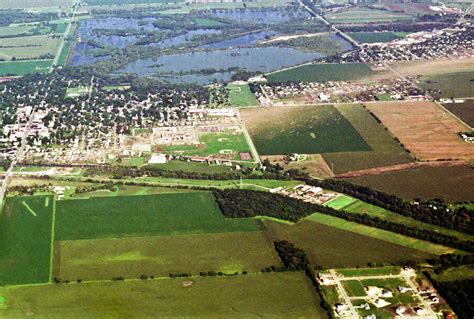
(376, 37)
(364, 15)
(322, 73)
(385, 150)
(161, 255)
(301, 129)
(24, 67)
(369, 271)
(77, 91)
(28, 4)
(136, 216)
(459, 84)
(465, 111)
(456, 273)
(240, 95)
(29, 47)
(332, 247)
(381, 234)
(122, 2)
(266, 295)
(25, 240)
(191, 167)
(452, 183)
(8, 31)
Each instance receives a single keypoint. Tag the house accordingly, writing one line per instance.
(401, 310)
(157, 159)
(403, 289)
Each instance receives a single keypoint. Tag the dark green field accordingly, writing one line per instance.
(375, 37)
(330, 247)
(134, 216)
(25, 240)
(302, 129)
(322, 73)
(465, 111)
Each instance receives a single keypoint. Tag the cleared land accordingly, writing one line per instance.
(429, 132)
(267, 295)
(465, 111)
(25, 240)
(137, 216)
(331, 247)
(161, 255)
(240, 95)
(301, 129)
(385, 150)
(24, 67)
(322, 73)
(452, 183)
(459, 84)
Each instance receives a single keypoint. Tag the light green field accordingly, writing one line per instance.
(340, 202)
(161, 255)
(29, 4)
(365, 15)
(240, 95)
(29, 47)
(24, 67)
(267, 295)
(139, 216)
(456, 273)
(354, 272)
(25, 240)
(77, 91)
(15, 30)
(381, 234)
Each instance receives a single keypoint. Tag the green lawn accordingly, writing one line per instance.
(340, 202)
(135, 216)
(25, 240)
(77, 91)
(287, 294)
(354, 288)
(240, 95)
(322, 73)
(24, 67)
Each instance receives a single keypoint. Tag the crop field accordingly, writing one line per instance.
(301, 129)
(29, 47)
(26, 239)
(240, 95)
(135, 216)
(365, 15)
(429, 132)
(24, 67)
(8, 31)
(161, 255)
(322, 73)
(459, 84)
(330, 247)
(376, 37)
(385, 150)
(122, 2)
(267, 295)
(394, 238)
(452, 183)
(465, 111)
(28, 4)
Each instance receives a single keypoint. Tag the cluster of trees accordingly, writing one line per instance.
(247, 203)
(293, 258)
(450, 260)
(86, 189)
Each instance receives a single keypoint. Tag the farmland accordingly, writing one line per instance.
(329, 246)
(375, 37)
(452, 183)
(459, 84)
(322, 73)
(465, 111)
(301, 129)
(30, 4)
(25, 240)
(29, 47)
(237, 296)
(153, 215)
(429, 132)
(364, 15)
(25, 67)
(160, 255)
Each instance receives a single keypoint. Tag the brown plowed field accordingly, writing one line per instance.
(428, 131)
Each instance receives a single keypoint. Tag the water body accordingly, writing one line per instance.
(82, 55)
(252, 59)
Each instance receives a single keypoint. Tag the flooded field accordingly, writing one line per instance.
(262, 17)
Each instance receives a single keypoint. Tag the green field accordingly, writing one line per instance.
(301, 129)
(369, 271)
(376, 37)
(364, 15)
(452, 183)
(64, 54)
(266, 295)
(322, 73)
(25, 240)
(28, 47)
(9, 31)
(28, 4)
(458, 84)
(385, 150)
(77, 91)
(377, 233)
(240, 95)
(161, 255)
(340, 202)
(24, 67)
(331, 247)
(122, 2)
(138, 216)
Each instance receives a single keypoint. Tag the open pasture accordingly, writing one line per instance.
(322, 73)
(452, 183)
(161, 255)
(26, 239)
(330, 246)
(24, 67)
(266, 295)
(385, 150)
(301, 129)
(458, 84)
(429, 132)
(137, 216)
(29, 47)
(465, 111)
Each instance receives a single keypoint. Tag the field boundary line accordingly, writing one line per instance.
(453, 115)
(51, 253)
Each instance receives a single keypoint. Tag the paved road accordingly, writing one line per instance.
(343, 294)
(66, 34)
